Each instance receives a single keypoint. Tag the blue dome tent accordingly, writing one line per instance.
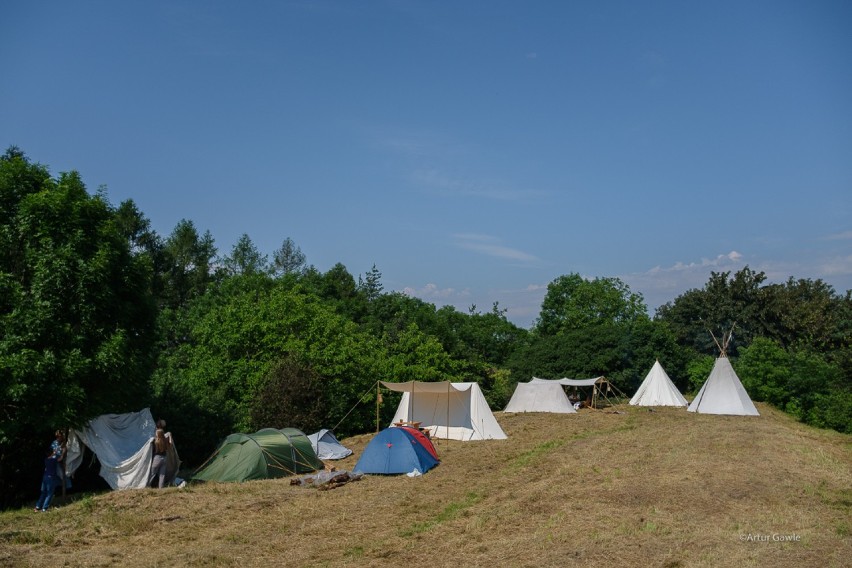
(393, 451)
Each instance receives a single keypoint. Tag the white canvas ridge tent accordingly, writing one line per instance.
(600, 386)
(723, 393)
(327, 447)
(122, 444)
(456, 411)
(540, 397)
(658, 390)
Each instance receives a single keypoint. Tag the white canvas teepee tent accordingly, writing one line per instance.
(456, 411)
(658, 390)
(722, 392)
(540, 397)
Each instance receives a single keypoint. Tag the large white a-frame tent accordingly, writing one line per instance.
(540, 397)
(455, 411)
(722, 392)
(658, 390)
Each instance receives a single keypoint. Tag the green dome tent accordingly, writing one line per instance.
(265, 454)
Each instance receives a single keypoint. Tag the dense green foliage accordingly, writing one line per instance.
(101, 314)
(77, 312)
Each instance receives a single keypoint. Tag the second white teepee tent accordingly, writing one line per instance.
(723, 393)
(658, 390)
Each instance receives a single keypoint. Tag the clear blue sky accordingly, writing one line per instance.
(472, 151)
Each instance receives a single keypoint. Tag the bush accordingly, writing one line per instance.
(292, 396)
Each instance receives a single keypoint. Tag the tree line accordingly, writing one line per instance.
(100, 314)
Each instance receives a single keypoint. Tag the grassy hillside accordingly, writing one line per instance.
(637, 488)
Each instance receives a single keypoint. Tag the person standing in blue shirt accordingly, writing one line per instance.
(48, 481)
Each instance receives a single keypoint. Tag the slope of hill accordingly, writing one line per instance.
(634, 488)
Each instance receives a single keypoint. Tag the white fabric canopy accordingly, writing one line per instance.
(540, 397)
(658, 390)
(571, 382)
(122, 443)
(723, 393)
(457, 411)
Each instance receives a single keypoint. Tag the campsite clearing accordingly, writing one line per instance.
(639, 488)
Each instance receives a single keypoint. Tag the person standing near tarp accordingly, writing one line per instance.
(48, 481)
(161, 449)
(59, 447)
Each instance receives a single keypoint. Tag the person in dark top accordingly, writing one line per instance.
(48, 481)
(158, 463)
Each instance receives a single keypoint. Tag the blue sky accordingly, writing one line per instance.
(472, 151)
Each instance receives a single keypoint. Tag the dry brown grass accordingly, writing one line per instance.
(665, 488)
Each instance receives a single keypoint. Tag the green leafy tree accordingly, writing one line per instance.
(245, 258)
(724, 302)
(237, 335)
(288, 259)
(291, 395)
(572, 302)
(647, 341)
(189, 264)
(698, 370)
(577, 354)
(805, 312)
(337, 286)
(798, 381)
(416, 356)
(77, 315)
(371, 285)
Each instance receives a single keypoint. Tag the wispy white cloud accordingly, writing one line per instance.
(522, 305)
(844, 236)
(413, 144)
(836, 266)
(732, 257)
(663, 284)
(491, 246)
(659, 284)
(437, 181)
(433, 293)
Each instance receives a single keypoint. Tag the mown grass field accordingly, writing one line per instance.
(637, 488)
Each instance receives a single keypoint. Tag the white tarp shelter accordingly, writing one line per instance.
(327, 447)
(600, 386)
(122, 444)
(658, 390)
(457, 411)
(540, 397)
(572, 382)
(723, 393)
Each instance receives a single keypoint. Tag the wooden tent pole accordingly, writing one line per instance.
(448, 411)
